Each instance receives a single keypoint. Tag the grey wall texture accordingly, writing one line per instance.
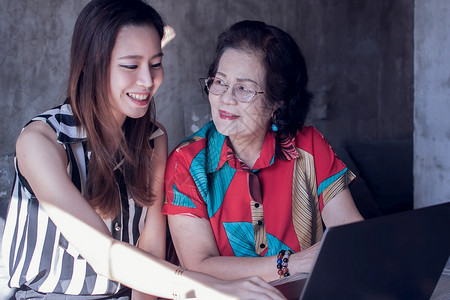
(363, 59)
(359, 56)
(432, 102)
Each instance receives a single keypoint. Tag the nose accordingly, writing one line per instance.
(145, 77)
(228, 97)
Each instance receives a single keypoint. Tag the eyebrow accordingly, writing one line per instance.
(239, 79)
(140, 56)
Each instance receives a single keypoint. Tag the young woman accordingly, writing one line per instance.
(247, 194)
(89, 182)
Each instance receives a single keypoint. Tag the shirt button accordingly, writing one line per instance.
(259, 222)
(117, 227)
(256, 205)
(262, 246)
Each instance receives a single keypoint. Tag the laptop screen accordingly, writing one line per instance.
(398, 256)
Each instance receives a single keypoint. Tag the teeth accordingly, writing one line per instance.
(139, 97)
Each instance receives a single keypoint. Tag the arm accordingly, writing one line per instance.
(191, 230)
(197, 249)
(43, 162)
(153, 236)
(340, 210)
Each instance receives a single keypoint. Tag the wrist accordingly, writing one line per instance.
(176, 283)
(282, 263)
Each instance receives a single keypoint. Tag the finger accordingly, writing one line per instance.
(261, 295)
(259, 285)
(274, 294)
(267, 295)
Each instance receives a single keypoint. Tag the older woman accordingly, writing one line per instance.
(249, 193)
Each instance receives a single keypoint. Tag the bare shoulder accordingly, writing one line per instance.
(37, 143)
(35, 134)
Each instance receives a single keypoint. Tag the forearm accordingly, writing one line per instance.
(232, 267)
(136, 295)
(197, 250)
(152, 240)
(113, 259)
(151, 275)
(141, 272)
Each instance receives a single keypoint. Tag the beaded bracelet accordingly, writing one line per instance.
(282, 263)
(178, 272)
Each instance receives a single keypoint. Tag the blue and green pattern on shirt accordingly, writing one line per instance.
(181, 199)
(242, 240)
(211, 185)
(327, 182)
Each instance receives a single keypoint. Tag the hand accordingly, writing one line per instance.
(303, 261)
(248, 288)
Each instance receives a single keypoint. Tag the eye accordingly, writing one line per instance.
(244, 89)
(218, 81)
(156, 66)
(130, 67)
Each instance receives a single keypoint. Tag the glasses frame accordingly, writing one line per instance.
(206, 79)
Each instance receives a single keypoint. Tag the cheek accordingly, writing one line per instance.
(212, 101)
(158, 76)
(258, 111)
(119, 80)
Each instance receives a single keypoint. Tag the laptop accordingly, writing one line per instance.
(398, 256)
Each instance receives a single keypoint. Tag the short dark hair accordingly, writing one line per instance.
(286, 75)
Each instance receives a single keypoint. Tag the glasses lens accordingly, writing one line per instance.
(208, 82)
(243, 93)
(215, 86)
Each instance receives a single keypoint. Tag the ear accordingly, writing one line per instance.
(273, 108)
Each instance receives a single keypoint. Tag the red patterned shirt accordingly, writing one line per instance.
(256, 212)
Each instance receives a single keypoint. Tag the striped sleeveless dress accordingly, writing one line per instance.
(36, 254)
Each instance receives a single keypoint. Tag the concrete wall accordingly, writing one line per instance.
(432, 102)
(359, 55)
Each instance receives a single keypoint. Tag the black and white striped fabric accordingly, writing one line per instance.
(36, 254)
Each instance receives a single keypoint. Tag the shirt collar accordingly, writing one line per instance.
(281, 148)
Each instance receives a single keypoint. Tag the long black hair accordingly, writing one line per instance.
(93, 40)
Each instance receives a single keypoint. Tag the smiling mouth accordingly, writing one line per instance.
(227, 115)
(138, 97)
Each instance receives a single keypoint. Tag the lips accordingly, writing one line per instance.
(139, 98)
(227, 115)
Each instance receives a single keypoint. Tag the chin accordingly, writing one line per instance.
(137, 115)
(228, 130)
(221, 128)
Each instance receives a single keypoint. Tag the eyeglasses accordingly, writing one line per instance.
(240, 91)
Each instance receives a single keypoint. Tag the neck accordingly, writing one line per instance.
(248, 149)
